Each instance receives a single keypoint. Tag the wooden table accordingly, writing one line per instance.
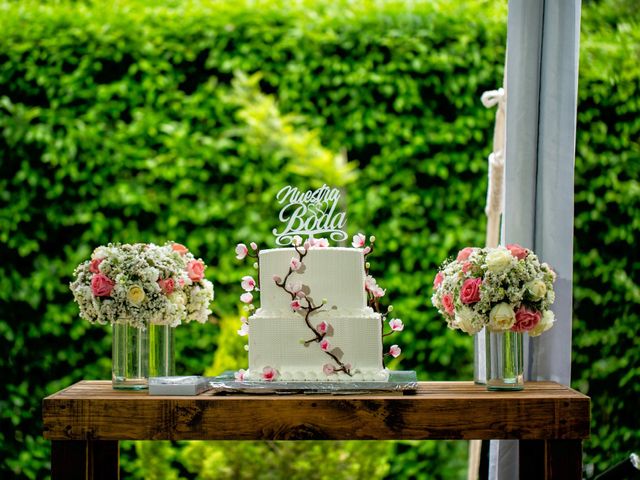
(85, 422)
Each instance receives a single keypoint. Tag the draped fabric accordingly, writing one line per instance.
(542, 78)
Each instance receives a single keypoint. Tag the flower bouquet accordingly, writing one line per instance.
(137, 288)
(506, 289)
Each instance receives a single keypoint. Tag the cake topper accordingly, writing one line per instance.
(310, 213)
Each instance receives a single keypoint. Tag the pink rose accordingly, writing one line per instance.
(438, 280)
(246, 297)
(167, 285)
(466, 267)
(296, 305)
(101, 285)
(181, 249)
(94, 264)
(269, 374)
(322, 327)
(464, 254)
(525, 319)
(396, 325)
(295, 264)
(328, 369)
(325, 345)
(517, 251)
(358, 240)
(195, 270)
(447, 303)
(395, 351)
(248, 283)
(470, 292)
(239, 375)
(241, 251)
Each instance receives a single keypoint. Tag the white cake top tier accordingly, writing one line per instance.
(335, 274)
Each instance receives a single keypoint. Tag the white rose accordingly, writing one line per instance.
(545, 323)
(464, 320)
(499, 259)
(536, 288)
(501, 317)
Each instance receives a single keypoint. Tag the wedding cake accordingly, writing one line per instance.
(319, 316)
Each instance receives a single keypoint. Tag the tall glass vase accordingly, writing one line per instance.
(480, 357)
(161, 351)
(505, 361)
(130, 357)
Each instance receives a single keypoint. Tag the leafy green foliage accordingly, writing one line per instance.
(121, 121)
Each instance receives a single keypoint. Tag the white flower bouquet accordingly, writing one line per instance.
(503, 288)
(142, 284)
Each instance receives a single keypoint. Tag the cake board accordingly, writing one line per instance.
(403, 382)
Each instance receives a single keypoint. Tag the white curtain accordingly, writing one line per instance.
(542, 78)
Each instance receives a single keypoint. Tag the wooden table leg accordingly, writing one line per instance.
(85, 460)
(550, 459)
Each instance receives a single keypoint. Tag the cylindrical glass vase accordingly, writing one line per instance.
(505, 361)
(130, 357)
(480, 357)
(161, 351)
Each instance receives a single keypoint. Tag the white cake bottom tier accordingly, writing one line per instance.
(278, 343)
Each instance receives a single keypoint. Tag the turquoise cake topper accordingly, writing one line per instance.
(309, 214)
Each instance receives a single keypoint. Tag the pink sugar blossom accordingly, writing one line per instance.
(438, 280)
(306, 245)
(167, 285)
(101, 285)
(296, 241)
(269, 374)
(181, 249)
(347, 367)
(253, 245)
(248, 283)
(325, 345)
(295, 264)
(320, 242)
(246, 298)
(322, 327)
(277, 279)
(244, 320)
(294, 287)
(296, 305)
(358, 240)
(367, 250)
(470, 292)
(526, 319)
(517, 251)
(244, 330)
(396, 325)
(447, 303)
(395, 351)
(301, 294)
(378, 292)
(241, 251)
(239, 375)
(370, 283)
(195, 270)
(328, 369)
(94, 264)
(464, 254)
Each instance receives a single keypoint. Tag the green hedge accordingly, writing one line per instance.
(123, 123)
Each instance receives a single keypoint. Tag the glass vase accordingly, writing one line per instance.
(505, 362)
(161, 351)
(480, 358)
(130, 357)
